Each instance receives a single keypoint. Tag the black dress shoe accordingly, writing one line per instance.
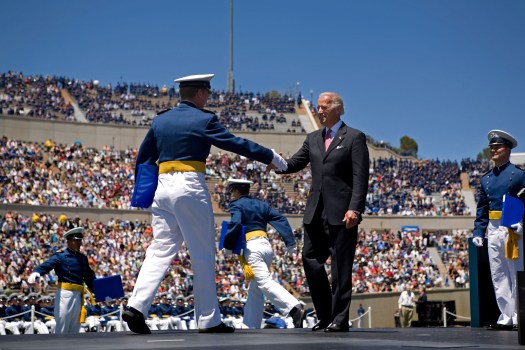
(334, 328)
(298, 314)
(319, 326)
(500, 327)
(135, 321)
(221, 328)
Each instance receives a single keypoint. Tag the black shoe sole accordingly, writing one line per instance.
(135, 325)
(221, 328)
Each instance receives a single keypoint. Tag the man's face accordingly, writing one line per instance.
(500, 154)
(74, 244)
(328, 113)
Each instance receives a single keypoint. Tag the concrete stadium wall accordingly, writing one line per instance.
(122, 137)
(368, 223)
(384, 305)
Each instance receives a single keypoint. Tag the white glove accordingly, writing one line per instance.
(291, 250)
(279, 162)
(33, 277)
(478, 241)
(517, 228)
(227, 253)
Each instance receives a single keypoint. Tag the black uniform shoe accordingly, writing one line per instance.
(221, 328)
(135, 321)
(319, 326)
(500, 327)
(334, 328)
(298, 314)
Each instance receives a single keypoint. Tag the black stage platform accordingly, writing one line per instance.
(304, 339)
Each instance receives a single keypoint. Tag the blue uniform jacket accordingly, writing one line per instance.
(255, 215)
(179, 310)
(507, 179)
(70, 267)
(165, 309)
(187, 133)
(108, 309)
(16, 309)
(48, 310)
(93, 310)
(154, 310)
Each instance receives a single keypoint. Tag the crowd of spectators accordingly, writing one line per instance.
(415, 188)
(135, 104)
(385, 261)
(33, 96)
(76, 176)
(117, 247)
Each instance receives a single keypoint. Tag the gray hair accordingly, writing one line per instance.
(336, 99)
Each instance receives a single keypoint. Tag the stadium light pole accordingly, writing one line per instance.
(231, 84)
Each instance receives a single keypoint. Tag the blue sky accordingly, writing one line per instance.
(443, 72)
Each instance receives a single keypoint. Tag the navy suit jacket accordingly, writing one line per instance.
(339, 175)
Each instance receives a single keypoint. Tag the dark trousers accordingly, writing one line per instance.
(321, 241)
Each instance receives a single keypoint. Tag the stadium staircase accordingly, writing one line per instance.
(437, 199)
(468, 193)
(80, 116)
(470, 200)
(436, 258)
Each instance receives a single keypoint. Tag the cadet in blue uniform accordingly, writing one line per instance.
(504, 258)
(73, 271)
(255, 216)
(16, 323)
(179, 141)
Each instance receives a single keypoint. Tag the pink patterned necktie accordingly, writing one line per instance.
(327, 139)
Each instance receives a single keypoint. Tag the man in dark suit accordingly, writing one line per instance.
(338, 156)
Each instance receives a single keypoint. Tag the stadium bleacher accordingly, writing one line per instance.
(39, 171)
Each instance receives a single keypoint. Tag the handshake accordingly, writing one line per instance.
(278, 162)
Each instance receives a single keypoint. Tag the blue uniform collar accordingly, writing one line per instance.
(189, 103)
(498, 170)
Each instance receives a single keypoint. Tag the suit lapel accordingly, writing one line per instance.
(320, 141)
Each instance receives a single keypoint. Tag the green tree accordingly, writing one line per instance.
(484, 154)
(273, 94)
(408, 145)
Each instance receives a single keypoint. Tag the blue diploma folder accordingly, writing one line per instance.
(145, 186)
(108, 287)
(512, 211)
(239, 245)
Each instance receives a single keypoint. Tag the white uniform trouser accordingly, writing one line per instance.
(13, 326)
(40, 327)
(93, 322)
(67, 311)
(259, 254)
(182, 211)
(113, 323)
(51, 325)
(503, 272)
